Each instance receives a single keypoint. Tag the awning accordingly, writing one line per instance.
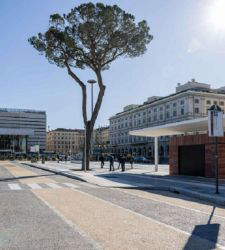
(176, 128)
(16, 131)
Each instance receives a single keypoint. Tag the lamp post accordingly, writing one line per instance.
(92, 82)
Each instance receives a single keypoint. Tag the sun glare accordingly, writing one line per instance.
(216, 15)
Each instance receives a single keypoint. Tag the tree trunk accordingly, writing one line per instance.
(87, 147)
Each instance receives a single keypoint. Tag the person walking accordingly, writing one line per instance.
(102, 160)
(119, 161)
(123, 161)
(132, 161)
(111, 163)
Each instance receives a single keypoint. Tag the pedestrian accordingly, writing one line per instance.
(119, 161)
(102, 160)
(66, 158)
(58, 158)
(123, 161)
(111, 163)
(132, 161)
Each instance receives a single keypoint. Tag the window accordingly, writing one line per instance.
(149, 119)
(215, 102)
(182, 111)
(161, 117)
(222, 103)
(155, 110)
(144, 113)
(174, 113)
(155, 117)
(167, 114)
(167, 106)
(144, 120)
(182, 102)
(196, 101)
(196, 110)
(208, 102)
(161, 109)
(174, 104)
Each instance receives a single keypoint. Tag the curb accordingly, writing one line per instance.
(172, 189)
(177, 190)
(56, 172)
(200, 196)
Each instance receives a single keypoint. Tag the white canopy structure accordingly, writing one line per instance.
(176, 128)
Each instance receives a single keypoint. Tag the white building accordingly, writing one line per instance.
(20, 129)
(191, 100)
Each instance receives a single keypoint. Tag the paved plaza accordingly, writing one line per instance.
(43, 210)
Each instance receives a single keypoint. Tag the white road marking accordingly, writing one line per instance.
(14, 186)
(52, 185)
(70, 185)
(174, 205)
(34, 186)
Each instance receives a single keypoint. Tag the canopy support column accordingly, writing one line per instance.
(156, 153)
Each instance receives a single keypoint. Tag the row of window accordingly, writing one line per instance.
(209, 102)
(149, 111)
(154, 118)
(162, 108)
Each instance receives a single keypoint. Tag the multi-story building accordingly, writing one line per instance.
(101, 140)
(191, 100)
(65, 141)
(20, 129)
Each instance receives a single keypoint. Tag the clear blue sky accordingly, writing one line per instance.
(189, 42)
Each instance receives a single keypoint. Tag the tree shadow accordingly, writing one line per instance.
(24, 177)
(209, 232)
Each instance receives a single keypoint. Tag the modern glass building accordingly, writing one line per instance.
(20, 129)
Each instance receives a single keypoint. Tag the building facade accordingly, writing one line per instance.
(101, 142)
(20, 129)
(65, 141)
(191, 100)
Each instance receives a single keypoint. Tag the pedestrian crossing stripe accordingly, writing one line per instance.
(34, 186)
(70, 185)
(53, 185)
(16, 186)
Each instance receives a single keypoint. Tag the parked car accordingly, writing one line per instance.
(141, 159)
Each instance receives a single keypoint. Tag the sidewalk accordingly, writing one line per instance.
(142, 176)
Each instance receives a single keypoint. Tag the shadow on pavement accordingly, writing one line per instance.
(24, 177)
(152, 186)
(209, 232)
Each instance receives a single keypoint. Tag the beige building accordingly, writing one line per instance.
(65, 141)
(191, 100)
(101, 140)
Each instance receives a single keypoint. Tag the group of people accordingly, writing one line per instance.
(121, 161)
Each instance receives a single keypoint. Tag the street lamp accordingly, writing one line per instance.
(92, 82)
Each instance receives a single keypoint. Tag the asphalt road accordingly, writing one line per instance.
(40, 210)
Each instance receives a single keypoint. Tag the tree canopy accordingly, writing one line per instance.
(92, 35)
